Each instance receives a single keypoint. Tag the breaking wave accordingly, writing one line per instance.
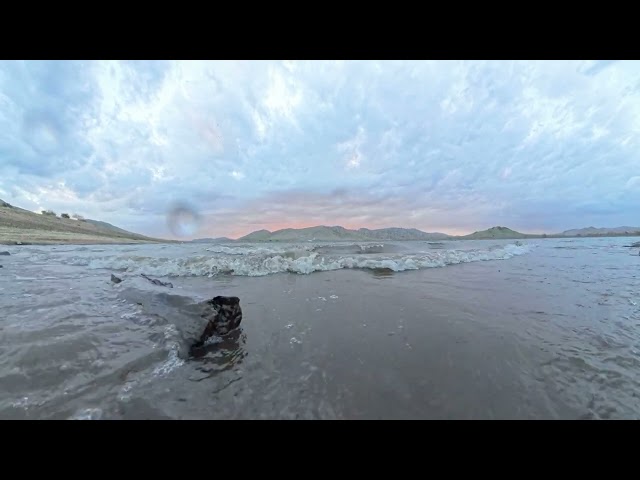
(295, 261)
(260, 250)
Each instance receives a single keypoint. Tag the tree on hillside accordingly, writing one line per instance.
(49, 212)
(64, 215)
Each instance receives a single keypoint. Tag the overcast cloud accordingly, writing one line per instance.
(440, 146)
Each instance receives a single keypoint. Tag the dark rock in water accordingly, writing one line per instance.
(224, 315)
(5, 253)
(0, 266)
(115, 279)
(157, 282)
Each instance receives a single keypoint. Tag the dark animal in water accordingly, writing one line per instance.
(157, 282)
(224, 315)
(115, 279)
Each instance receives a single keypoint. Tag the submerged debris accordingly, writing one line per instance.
(157, 282)
(224, 315)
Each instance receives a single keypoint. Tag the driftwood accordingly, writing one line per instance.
(224, 315)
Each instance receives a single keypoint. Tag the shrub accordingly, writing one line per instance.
(64, 215)
(49, 212)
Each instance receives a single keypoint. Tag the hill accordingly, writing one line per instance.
(108, 226)
(257, 236)
(22, 226)
(337, 234)
(496, 233)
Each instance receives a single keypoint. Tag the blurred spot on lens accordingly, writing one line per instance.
(183, 220)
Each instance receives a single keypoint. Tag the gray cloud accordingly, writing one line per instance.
(450, 146)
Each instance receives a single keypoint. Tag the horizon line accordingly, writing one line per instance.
(415, 228)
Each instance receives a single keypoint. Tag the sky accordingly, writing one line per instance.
(443, 146)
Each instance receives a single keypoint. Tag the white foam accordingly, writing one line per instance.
(259, 250)
(173, 360)
(296, 261)
(125, 391)
(21, 403)
(87, 414)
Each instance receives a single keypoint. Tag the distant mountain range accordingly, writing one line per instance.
(337, 233)
(21, 226)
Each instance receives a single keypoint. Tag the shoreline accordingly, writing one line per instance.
(43, 237)
(78, 242)
(19, 237)
(529, 237)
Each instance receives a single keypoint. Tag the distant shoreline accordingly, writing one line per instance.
(42, 240)
(35, 236)
(452, 238)
(27, 239)
(23, 227)
(338, 233)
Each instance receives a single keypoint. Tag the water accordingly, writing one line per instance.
(477, 329)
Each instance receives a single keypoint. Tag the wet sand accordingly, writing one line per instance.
(389, 346)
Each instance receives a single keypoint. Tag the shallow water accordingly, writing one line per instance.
(477, 329)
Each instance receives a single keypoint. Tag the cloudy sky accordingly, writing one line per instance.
(441, 146)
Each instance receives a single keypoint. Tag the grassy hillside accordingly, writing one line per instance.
(19, 225)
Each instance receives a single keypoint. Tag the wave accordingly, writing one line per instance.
(258, 250)
(334, 248)
(301, 262)
(356, 248)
